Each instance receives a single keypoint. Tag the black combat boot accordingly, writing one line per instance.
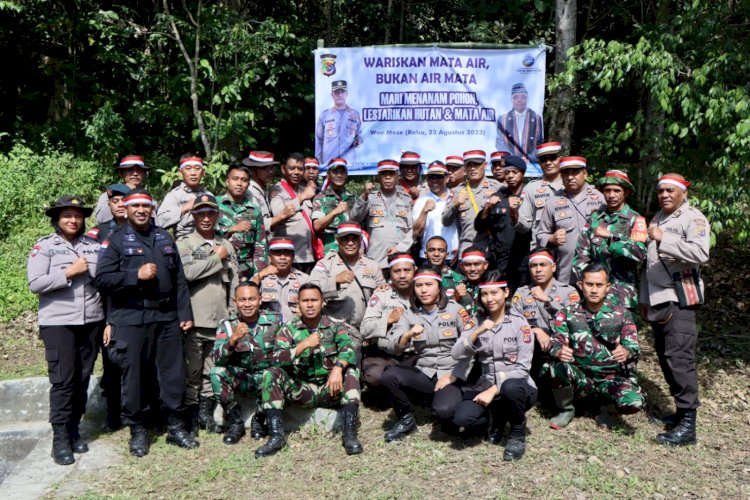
(192, 420)
(179, 436)
(497, 427)
(139, 442)
(683, 434)
(276, 439)
(61, 449)
(206, 407)
(78, 444)
(669, 422)
(235, 424)
(349, 431)
(516, 445)
(258, 427)
(404, 426)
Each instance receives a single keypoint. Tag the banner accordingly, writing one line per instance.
(373, 103)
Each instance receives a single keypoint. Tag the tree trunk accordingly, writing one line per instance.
(562, 112)
(388, 12)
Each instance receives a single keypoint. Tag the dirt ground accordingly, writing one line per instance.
(579, 462)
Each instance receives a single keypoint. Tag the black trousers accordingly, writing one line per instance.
(516, 397)
(402, 382)
(151, 361)
(70, 351)
(376, 361)
(675, 343)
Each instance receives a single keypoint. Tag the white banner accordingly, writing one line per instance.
(373, 103)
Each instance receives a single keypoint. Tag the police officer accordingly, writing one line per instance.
(241, 222)
(339, 129)
(436, 254)
(671, 292)
(140, 271)
(211, 270)
(314, 366)
(540, 301)
(497, 166)
(538, 191)
(594, 344)
(410, 166)
(616, 237)
(456, 170)
(332, 205)
(71, 318)
(431, 327)
(468, 199)
(280, 282)
(503, 345)
(508, 248)
(565, 215)
(243, 350)
(384, 309)
(292, 192)
(133, 172)
(386, 215)
(262, 166)
(347, 279)
(473, 265)
(174, 211)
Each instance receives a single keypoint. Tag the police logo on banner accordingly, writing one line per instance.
(328, 64)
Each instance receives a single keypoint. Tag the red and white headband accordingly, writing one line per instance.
(674, 181)
(260, 157)
(138, 198)
(573, 161)
(454, 161)
(130, 161)
(475, 155)
(403, 258)
(548, 148)
(337, 162)
(388, 166)
(473, 256)
(427, 275)
(493, 284)
(281, 245)
(345, 229)
(193, 161)
(541, 256)
(498, 155)
(311, 163)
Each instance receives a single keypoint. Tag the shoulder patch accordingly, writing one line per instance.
(374, 300)
(35, 250)
(573, 297)
(639, 232)
(93, 232)
(516, 298)
(526, 332)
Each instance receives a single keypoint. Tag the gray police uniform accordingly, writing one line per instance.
(102, 213)
(294, 228)
(464, 214)
(388, 220)
(535, 195)
(684, 247)
(347, 301)
(259, 197)
(170, 216)
(542, 314)
(281, 294)
(572, 214)
(337, 134)
(211, 282)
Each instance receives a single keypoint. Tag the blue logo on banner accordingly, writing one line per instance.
(528, 60)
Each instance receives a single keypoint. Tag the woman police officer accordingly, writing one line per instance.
(60, 270)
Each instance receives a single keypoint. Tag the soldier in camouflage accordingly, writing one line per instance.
(616, 237)
(315, 365)
(594, 343)
(436, 254)
(243, 349)
(241, 222)
(331, 206)
(473, 264)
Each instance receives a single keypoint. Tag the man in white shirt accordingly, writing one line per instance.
(428, 210)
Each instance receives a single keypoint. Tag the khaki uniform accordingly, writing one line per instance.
(375, 323)
(572, 214)
(169, 215)
(294, 228)
(535, 195)
(347, 301)
(280, 294)
(542, 314)
(463, 216)
(387, 220)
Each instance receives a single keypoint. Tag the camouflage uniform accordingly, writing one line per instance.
(621, 253)
(593, 337)
(451, 279)
(250, 246)
(470, 301)
(323, 204)
(301, 379)
(240, 370)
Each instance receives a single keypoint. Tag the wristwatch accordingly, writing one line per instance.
(339, 364)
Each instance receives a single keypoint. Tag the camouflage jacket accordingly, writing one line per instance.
(593, 336)
(622, 252)
(250, 246)
(470, 301)
(451, 279)
(314, 365)
(322, 205)
(254, 351)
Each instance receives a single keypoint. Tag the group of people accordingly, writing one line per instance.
(439, 286)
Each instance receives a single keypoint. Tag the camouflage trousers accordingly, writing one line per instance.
(279, 387)
(246, 268)
(619, 389)
(227, 381)
(624, 294)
